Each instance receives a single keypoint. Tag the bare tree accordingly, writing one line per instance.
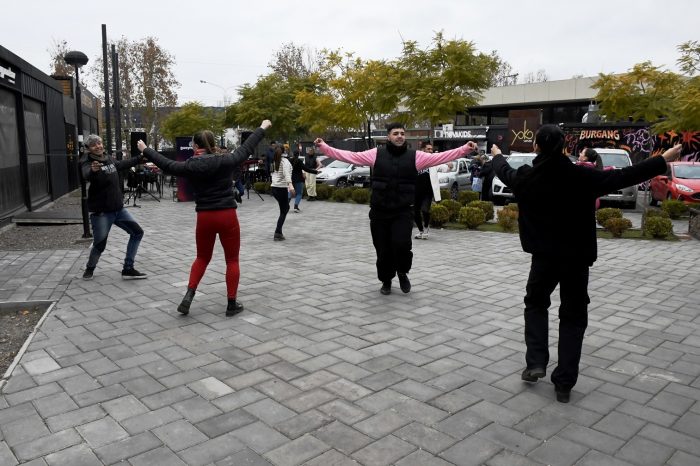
(294, 61)
(58, 65)
(504, 75)
(540, 76)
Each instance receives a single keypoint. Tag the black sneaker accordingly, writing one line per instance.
(233, 307)
(532, 375)
(87, 275)
(563, 395)
(404, 282)
(278, 237)
(184, 307)
(132, 274)
(386, 288)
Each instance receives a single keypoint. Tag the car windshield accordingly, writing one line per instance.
(517, 161)
(338, 164)
(615, 160)
(691, 172)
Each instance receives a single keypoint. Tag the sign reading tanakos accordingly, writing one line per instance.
(522, 126)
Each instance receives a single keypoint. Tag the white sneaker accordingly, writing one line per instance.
(426, 233)
(419, 235)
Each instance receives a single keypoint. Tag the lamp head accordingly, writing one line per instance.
(75, 58)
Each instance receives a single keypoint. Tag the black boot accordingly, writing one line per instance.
(233, 308)
(184, 307)
(404, 283)
(386, 287)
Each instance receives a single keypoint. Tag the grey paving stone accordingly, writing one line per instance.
(619, 425)
(100, 395)
(74, 418)
(46, 445)
(509, 438)
(331, 458)
(508, 458)
(592, 438)
(102, 432)
(127, 448)
(158, 457)
(385, 451)
(179, 435)
(225, 423)
(259, 437)
(422, 458)
(303, 423)
(6, 456)
(471, 451)
(297, 451)
(24, 430)
(343, 438)
(245, 457)
(646, 452)
(559, 451)
(596, 458)
(344, 411)
(425, 437)
(77, 455)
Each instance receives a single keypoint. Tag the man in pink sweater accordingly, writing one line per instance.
(396, 168)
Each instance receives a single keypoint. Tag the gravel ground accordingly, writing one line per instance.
(36, 238)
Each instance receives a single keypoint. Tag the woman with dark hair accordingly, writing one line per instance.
(282, 188)
(589, 157)
(559, 232)
(211, 175)
(298, 178)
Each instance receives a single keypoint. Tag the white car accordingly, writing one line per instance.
(502, 193)
(455, 176)
(335, 174)
(617, 159)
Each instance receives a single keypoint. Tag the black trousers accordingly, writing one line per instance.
(282, 197)
(391, 236)
(572, 277)
(421, 209)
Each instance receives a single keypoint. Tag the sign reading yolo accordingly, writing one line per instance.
(522, 126)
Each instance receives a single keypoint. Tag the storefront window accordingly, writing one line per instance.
(36, 150)
(10, 176)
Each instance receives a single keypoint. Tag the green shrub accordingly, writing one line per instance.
(465, 197)
(262, 187)
(674, 208)
(617, 226)
(323, 191)
(603, 215)
(508, 219)
(472, 217)
(452, 207)
(658, 227)
(360, 195)
(650, 213)
(342, 194)
(445, 194)
(486, 206)
(439, 215)
(513, 206)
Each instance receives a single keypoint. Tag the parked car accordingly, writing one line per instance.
(455, 176)
(681, 181)
(335, 173)
(618, 158)
(502, 193)
(359, 177)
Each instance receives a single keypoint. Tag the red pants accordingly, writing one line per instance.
(225, 224)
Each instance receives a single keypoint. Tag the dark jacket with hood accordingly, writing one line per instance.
(211, 174)
(298, 167)
(556, 202)
(105, 193)
(394, 179)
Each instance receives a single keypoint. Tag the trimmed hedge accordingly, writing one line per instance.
(465, 197)
(360, 196)
(658, 227)
(453, 208)
(617, 226)
(472, 217)
(323, 191)
(486, 206)
(439, 215)
(674, 208)
(603, 215)
(342, 194)
(508, 219)
(263, 187)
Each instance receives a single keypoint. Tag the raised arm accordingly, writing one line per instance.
(162, 162)
(367, 157)
(503, 171)
(425, 159)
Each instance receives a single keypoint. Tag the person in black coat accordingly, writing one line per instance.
(556, 204)
(211, 175)
(487, 175)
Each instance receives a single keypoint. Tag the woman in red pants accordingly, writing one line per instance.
(211, 175)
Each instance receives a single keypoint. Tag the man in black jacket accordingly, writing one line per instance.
(556, 203)
(106, 206)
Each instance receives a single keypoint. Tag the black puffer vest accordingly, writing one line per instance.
(394, 179)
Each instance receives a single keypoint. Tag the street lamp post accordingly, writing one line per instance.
(78, 59)
(224, 89)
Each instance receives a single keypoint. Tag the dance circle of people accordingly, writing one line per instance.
(403, 187)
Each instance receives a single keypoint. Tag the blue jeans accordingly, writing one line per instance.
(299, 188)
(102, 223)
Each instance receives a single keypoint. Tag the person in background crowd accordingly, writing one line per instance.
(487, 176)
(563, 246)
(427, 189)
(312, 167)
(396, 168)
(269, 155)
(106, 206)
(211, 175)
(282, 188)
(298, 178)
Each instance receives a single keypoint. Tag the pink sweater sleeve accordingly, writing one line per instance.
(424, 159)
(367, 157)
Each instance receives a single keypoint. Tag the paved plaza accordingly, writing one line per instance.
(321, 369)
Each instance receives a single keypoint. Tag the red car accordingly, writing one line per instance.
(681, 181)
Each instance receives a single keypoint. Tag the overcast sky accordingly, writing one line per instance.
(230, 43)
